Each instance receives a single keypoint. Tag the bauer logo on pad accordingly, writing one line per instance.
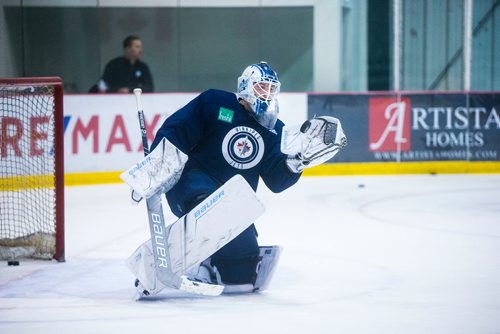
(225, 115)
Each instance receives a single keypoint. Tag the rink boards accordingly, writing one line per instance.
(387, 133)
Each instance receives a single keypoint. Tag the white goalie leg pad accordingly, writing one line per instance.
(141, 264)
(194, 237)
(269, 257)
(159, 171)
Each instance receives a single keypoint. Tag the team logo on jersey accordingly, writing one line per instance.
(243, 147)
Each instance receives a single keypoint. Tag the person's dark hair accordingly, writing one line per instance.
(128, 40)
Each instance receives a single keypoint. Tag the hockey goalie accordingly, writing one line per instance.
(207, 159)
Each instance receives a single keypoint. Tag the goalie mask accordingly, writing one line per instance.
(259, 86)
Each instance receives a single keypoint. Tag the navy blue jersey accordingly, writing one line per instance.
(222, 139)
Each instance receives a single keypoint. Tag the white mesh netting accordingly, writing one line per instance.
(27, 188)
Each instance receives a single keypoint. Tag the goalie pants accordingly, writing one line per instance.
(236, 261)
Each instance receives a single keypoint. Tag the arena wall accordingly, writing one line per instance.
(387, 133)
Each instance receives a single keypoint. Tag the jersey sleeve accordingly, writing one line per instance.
(275, 172)
(185, 127)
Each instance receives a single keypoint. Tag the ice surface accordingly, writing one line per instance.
(362, 254)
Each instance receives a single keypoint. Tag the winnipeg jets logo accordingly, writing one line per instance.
(243, 147)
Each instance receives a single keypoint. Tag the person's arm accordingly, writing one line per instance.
(108, 75)
(275, 173)
(148, 85)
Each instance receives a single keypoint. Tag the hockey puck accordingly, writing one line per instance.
(13, 263)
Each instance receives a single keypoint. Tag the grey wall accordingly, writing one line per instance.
(10, 41)
(187, 49)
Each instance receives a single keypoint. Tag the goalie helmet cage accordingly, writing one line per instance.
(32, 168)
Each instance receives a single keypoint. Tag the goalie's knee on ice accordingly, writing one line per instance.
(236, 271)
(236, 261)
(251, 274)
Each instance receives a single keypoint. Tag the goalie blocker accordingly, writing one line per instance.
(157, 172)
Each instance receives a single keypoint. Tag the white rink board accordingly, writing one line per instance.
(102, 131)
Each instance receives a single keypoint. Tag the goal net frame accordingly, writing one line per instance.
(57, 145)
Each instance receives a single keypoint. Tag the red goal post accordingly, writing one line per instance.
(32, 168)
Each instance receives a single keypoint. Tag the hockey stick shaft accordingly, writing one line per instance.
(142, 122)
(159, 235)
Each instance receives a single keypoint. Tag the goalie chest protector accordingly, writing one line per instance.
(223, 139)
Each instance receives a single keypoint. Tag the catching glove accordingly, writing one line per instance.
(315, 142)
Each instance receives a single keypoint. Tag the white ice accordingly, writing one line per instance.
(362, 254)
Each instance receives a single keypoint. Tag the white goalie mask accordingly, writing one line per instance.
(259, 86)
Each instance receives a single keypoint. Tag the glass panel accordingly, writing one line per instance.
(186, 49)
(485, 19)
(432, 45)
(62, 42)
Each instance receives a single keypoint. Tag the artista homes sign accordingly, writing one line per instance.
(416, 127)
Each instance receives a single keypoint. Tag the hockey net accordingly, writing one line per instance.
(32, 168)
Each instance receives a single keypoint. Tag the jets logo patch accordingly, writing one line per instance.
(243, 147)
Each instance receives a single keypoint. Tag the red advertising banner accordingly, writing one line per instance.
(389, 124)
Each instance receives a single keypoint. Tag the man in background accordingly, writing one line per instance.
(127, 72)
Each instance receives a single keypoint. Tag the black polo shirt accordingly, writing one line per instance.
(120, 73)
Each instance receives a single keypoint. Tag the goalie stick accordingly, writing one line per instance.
(159, 235)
